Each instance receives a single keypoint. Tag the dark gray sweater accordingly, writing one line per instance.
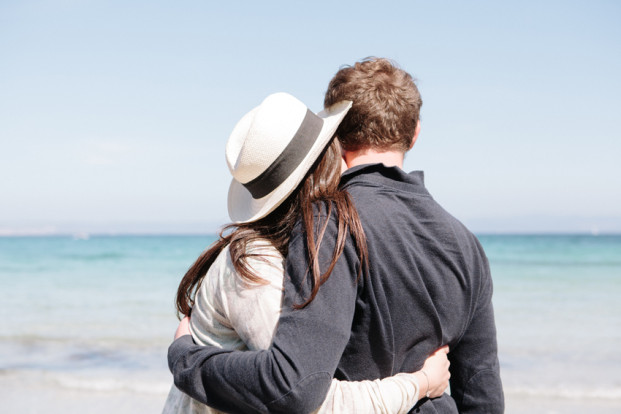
(428, 285)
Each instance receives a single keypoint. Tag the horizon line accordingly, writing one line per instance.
(87, 235)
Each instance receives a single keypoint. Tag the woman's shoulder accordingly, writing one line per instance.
(261, 258)
(223, 280)
(265, 261)
(262, 246)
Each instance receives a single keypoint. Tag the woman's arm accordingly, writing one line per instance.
(396, 394)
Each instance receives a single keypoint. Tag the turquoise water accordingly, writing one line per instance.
(92, 314)
(99, 313)
(558, 313)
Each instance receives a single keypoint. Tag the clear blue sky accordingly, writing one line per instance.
(114, 114)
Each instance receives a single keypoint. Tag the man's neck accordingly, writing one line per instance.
(371, 156)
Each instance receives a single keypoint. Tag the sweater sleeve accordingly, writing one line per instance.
(295, 373)
(475, 374)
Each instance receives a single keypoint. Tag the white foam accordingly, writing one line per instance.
(603, 393)
(146, 383)
(103, 384)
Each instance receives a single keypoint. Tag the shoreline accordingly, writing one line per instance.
(35, 392)
(32, 397)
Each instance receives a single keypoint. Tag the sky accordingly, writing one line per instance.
(114, 114)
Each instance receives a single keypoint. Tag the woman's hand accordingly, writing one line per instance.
(184, 328)
(435, 373)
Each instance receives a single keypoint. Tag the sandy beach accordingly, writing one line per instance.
(555, 405)
(36, 395)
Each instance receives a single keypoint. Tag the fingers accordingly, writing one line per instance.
(443, 349)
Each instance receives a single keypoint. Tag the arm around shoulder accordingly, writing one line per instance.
(226, 380)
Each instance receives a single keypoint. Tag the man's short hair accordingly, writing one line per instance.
(386, 105)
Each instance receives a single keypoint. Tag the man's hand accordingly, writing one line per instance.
(183, 328)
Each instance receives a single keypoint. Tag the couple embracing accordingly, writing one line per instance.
(341, 286)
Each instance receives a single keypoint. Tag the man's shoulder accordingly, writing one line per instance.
(384, 196)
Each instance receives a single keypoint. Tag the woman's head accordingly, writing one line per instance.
(321, 183)
(271, 150)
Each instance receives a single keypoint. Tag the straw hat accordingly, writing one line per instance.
(271, 149)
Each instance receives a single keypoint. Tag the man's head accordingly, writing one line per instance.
(386, 106)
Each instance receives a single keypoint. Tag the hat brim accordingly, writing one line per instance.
(244, 208)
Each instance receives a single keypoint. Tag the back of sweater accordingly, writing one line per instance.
(428, 285)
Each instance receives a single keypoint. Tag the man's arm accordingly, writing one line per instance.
(294, 375)
(475, 373)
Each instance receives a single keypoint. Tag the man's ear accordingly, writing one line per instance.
(416, 132)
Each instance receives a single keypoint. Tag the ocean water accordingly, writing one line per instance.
(97, 314)
(557, 302)
(92, 314)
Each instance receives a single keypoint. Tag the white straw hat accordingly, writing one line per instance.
(271, 149)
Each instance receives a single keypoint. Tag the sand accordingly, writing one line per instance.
(37, 393)
(39, 398)
(29, 395)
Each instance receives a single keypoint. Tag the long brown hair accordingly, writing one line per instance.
(320, 188)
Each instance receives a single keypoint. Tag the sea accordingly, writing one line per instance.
(96, 313)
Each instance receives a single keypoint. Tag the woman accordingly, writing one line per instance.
(286, 166)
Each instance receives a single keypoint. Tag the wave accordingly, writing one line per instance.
(159, 383)
(106, 342)
(145, 382)
(600, 393)
(521, 262)
(114, 385)
(93, 257)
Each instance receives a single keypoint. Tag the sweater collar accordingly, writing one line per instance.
(382, 175)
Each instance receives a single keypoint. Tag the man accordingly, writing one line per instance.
(428, 283)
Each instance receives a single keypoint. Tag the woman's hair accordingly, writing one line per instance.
(386, 105)
(320, 189)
